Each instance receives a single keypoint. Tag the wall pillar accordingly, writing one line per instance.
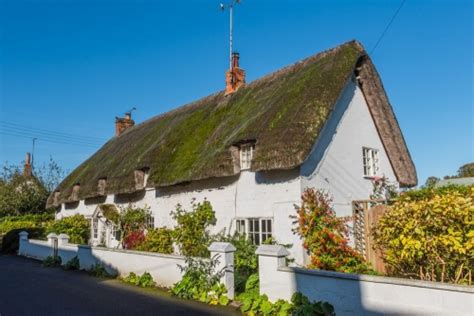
(63, 239)
(23, 242)
(53, 243)
(275, 285)
(223, 252)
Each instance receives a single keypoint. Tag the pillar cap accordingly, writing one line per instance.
(221, 247)
(52, 235)
(272, 251)
(63, 236)
(23, 233)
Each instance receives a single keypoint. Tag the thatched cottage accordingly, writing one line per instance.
(251, 150)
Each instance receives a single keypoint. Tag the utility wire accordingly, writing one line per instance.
(17, 134)
(50, 132)
(387, 27)
(50, 137)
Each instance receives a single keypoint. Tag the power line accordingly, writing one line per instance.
(29, 136)
(51, 132)
(387, 27)
(49, 137)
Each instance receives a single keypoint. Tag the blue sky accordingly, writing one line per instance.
(71, 66)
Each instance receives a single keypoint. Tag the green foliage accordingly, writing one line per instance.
(302, 306)
(27, 194)
(429, 234)
(431, 182)
(325, 235)
(383, 189)
(51, 261)
(98, 270)
(132, 222)
(10, 241)
(144, 280)
(191, 231)
(245, 259)
(8, 223)
(158, 240)
(255, 304)
(201, 282)
(73, 264)
(466, 170)
(77, 227)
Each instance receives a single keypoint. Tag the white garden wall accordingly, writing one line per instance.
(352, 294)
(165, 269)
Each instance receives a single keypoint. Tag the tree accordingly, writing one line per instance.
(466, 170)
(431, 182)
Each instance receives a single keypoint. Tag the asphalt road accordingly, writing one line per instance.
(26, 288)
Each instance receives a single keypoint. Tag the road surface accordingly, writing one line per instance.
(26, 288)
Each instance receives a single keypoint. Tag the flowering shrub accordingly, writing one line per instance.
(325, 235)
(429, 234)
(133, 239)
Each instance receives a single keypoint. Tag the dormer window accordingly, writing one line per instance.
(246, 155)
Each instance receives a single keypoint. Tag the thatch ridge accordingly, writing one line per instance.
(283, 112)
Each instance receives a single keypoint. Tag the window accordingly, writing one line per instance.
(240, 226)
(95, 228)
(150, 224)
(246, 155)
(259, 229)
(371, 161)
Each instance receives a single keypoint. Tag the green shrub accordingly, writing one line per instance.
(255, 304)
(77, 227)
(191, 231)
(10, 241)
(145, 280)
(429, 234)
(99, 270)
(201, 282)
(245, 259)
(158, 240)
(73, 264)
(325, 236)
(51, 261)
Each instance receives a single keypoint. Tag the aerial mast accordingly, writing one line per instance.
(230, 6)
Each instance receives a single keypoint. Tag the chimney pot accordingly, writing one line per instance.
(235, 77)
(27, 172)
(123, 123)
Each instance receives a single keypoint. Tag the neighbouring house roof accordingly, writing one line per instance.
(282, 112)
(456, 181)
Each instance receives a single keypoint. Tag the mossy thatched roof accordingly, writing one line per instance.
(283, 113)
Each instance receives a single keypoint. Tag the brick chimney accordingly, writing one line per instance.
(234, 77)
(123, 123)
(27, 171)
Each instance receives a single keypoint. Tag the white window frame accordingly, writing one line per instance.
(246, 155)
(370, 160)
(150, 222)
(95, 228)
(256, 235)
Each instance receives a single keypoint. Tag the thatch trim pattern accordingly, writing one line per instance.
(283, 113)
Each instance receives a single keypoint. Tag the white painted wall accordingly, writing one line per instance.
(352, 294)
(336, 162)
